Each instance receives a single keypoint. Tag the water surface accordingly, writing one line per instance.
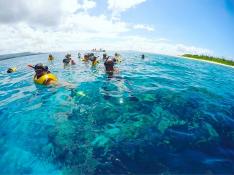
(159, 115)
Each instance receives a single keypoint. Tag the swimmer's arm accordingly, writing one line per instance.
(62, 84)
(116, 70)
(52, 82)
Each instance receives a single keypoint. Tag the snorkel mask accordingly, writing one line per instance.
(39, 68)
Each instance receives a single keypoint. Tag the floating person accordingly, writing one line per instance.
(109, 66)
(104, 56)
(143, 56)
(118, 58)
(43, 76)
(68, 60)
(86, 58)
(50, 58)
(94, 61)
(11, 70)
(79, 55)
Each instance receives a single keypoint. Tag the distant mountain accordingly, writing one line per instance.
(14, 55)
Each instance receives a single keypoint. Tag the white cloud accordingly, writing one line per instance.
(118, 6)
(144, 27)
(23, 27)
(67, 6)
(181, 48)
(75, 32)
(97, 25)
(155, 46)
(36, 12)
(41, 12)
(24, 38)
(87, 4)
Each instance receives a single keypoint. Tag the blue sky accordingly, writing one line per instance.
(161, 26)
(203, 23)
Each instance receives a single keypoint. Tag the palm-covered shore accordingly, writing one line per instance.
(210, 58)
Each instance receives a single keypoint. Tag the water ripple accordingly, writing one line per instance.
(161, 115)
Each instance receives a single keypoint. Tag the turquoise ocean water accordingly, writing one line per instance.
(163, 115)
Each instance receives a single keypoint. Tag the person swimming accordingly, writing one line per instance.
(104, 56)
(94, 60)
(42, 75)
(50, 58)
(118, 58)
(87, 57)
(143, 56)
(11, 70)
(79, 55)
(68, 60)
(116, 54)
(109, 65)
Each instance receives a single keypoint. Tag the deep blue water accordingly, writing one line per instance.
(159, 115)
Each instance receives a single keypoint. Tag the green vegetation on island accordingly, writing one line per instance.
(210, 58)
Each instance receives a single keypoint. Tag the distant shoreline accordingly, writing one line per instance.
(207, 61)
(15, 55)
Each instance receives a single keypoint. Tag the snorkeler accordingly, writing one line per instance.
(11, 70)
(118, 58)
(104, 56)
(94, 61)
(42, 75)
(109, 65)
(79, 55)
(116, 54)
(143, 56)
(68, 60)
(50, 58)
(88, 57)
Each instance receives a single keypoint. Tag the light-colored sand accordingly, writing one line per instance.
(205, 61)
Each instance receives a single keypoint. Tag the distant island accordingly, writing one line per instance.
(211, 59)
(14, 55)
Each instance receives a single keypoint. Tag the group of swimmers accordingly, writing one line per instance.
(45, 77)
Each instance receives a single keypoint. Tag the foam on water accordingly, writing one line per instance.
(159, 115)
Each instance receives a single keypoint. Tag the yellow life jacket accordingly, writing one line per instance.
(12, 69)
(50, 58)
(95, 63)
(44, 78)
(84, 60)
(118, 59)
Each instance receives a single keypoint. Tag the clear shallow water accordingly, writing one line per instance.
(161, 115)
